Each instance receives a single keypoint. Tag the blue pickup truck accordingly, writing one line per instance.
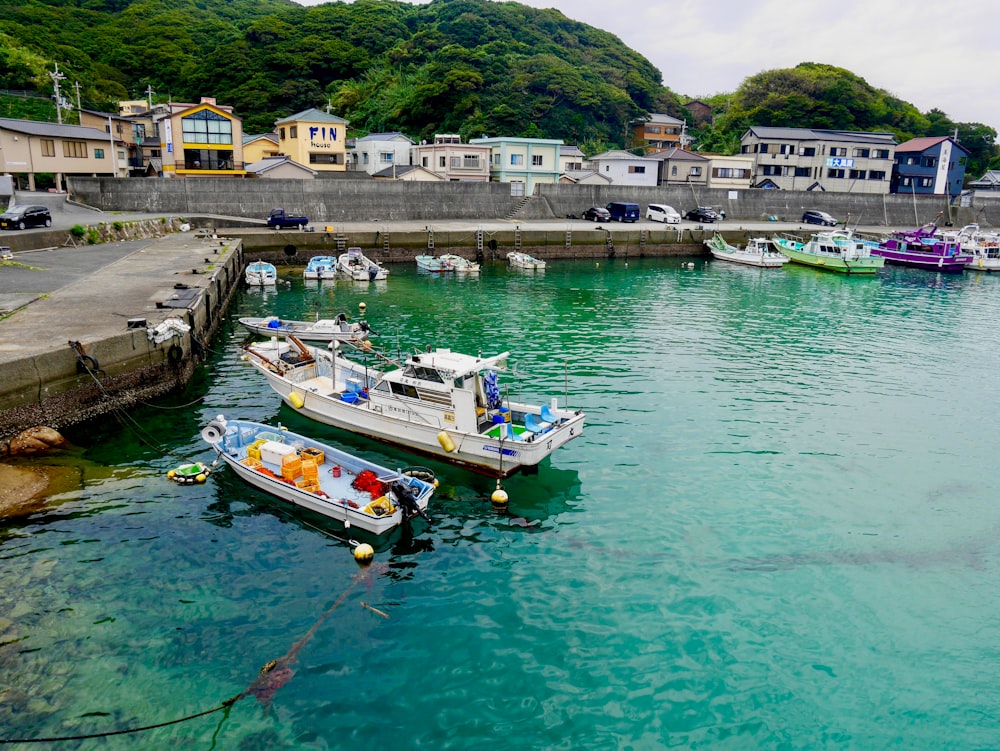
(278, 219)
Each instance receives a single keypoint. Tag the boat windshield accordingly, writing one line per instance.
(424, 374)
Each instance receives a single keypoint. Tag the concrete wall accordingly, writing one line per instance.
(331, 201)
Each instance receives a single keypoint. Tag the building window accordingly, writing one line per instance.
(694, 172)
(862, 153)
(324, 157)
(835, 173)
(281, 134)
(536, 160)
(293, 131)
(206, 126)
(838, 151)
(673, 171)
(807, 151)
(516, 160)
(653, 129)
(876, 174)
(424, 162)
(442, 163)
(763, 148)
(385, 157)
(926, 182)
(858, 174)
(880, 153)
(48, 147)
(929, 161)
(962, 161)
(911, 160)
(771, 170)
(803, 171)
(208, 159)
(745, 149)
(634, 170)
(574, 166)
(786, 148)
(905, 182)
(98, 153)
(75, 149)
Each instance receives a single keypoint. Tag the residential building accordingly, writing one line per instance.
(680, 167)
(571, 159)
(126, 134)
(523, 162)
(201, 140)
(376, 151)
(987, 186)
(729, 171)
(145, 118)
(657, 132)
(450, 159)
(813, 159)
(625, 168)
(28, 148)
(314, 138)
(929, 166)
(700, 111)
(280, 167)
(408, 173)
(260, 146)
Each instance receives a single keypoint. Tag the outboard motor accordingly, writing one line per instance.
(372, 273)
(407, 499)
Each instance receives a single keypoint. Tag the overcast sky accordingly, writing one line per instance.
(931, 54)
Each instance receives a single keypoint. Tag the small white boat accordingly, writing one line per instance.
(321, 267)
(356, 266)
(982, 245)
(440, 403)
(759, 251)
(261, 274)
(460, 265)
(519, 260)
(433, 264)
(337, 329)
(318, 477)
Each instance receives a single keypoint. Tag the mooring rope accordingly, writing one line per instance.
(273, 675)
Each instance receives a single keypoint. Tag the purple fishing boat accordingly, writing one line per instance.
(923, 248)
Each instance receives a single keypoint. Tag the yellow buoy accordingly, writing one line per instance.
(171, 474)
(445, 440)
(364, 553)
(296, 400)
(362, 307)
(499, 498)
(201, 478)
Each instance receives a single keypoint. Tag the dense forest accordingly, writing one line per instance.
(471, 67)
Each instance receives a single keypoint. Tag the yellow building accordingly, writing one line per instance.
(263, 146)
(202, 140)
(314, 138)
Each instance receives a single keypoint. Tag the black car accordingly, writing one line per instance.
(22, 217)
(597, 214)
(702, 214)
(819, 217)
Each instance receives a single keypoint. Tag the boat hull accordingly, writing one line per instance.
(952, 265)
(832, 263)
(336, 498)
(320, 331)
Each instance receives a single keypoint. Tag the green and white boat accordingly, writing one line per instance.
(837, 250)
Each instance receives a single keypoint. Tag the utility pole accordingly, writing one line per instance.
(56, 78)
(76, 85)
(149, 96)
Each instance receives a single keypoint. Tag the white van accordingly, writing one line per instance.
(659, 212)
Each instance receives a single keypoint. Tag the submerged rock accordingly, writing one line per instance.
(33, 441)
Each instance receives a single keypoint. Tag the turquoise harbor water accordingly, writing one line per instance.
(778, 531)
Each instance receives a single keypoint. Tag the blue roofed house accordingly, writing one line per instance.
(929, 166)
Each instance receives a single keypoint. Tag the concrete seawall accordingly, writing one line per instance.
(338, 201)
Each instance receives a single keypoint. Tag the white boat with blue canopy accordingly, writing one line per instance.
(261, 274)
(321, 267)
(439, 403)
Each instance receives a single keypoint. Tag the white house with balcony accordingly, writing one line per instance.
(523, 162)
(450, 159)
(624, 168)
(378, 151)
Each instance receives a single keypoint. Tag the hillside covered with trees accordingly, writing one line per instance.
(471, 67)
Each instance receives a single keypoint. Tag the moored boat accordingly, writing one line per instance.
(261, 274)
(321, 267)
(759, 251)
(519, 260)
(836, 250)
(432, 264)
(324, 330)
(319, 477)
(923, 248)
(460, 265)
(439, 403)
(356, 266)
(982, 245)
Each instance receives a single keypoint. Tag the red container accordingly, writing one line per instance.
(335, 470)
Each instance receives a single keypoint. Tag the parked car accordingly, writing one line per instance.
(22, 217)
(597, 214)
(819, 217)
(623, 212)
(659, 212)
(702, 214)
(280, 219)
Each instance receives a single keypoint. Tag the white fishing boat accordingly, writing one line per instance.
(460, 265)
(439, 403)
(319, 477)
(337, 329)
(261, 274)
(519, 260)
(356, 266)
(320, 267)
(982, 245)
(432, 264)
(759, 251)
